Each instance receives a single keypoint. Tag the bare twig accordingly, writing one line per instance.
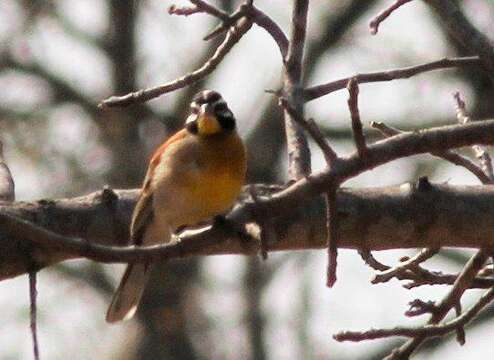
(420, 276)
(329, 154)
(423, 277)
(480, 151)
(370, 260)
(183, 10)
(448, 155)
(332, 231)
(409, 264)
(430, 330)
(461, 284)
(200, 6)
(374, 24)
(318, 91)
(227, 23)
(264, 21)
(32, 296)
(460, 330)
(311, 127)
(358, 134)
(210, 9)
(233, 36)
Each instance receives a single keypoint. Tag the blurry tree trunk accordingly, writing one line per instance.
(120, 128)
(254, 318)
(483, 106)
(162, 312)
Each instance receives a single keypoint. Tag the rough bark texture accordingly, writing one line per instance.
(376, 218)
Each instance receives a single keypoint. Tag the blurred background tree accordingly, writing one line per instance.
(58, 59)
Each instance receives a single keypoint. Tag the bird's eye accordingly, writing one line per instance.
(194, 110)
(220, 107)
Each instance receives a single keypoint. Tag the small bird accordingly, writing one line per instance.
(194, 175)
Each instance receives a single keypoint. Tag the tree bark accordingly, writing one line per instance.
(406, 216)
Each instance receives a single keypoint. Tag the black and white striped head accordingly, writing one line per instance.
(209, 114)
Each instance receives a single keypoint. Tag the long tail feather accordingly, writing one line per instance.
(128, 294)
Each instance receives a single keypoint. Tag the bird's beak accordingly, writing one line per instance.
(206, 120)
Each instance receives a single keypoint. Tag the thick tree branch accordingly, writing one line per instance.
(299, 160)
(371, 218)
(365, 219)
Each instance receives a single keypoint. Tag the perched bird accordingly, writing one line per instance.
(196, 174)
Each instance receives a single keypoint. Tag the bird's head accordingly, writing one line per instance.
(209, 115)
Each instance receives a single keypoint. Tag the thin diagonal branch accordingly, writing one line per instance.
(268, 24)
(318, 91)
(448, 155)
(233, 36)
(374, 24)
(311, 127)
(329, 154)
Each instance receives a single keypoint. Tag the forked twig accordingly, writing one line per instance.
(431, 330)
(409, 264)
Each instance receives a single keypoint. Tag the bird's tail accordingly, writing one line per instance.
(129, 292)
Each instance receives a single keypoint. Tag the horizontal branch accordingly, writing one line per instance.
(318, 91)
(389, 218)
(377, 218)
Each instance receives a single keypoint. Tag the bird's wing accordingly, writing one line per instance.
(143, 212)
(141, 217)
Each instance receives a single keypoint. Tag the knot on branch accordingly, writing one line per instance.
(108, 197)
(419, 307)
(423, 184)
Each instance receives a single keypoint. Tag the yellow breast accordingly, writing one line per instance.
(220, 176)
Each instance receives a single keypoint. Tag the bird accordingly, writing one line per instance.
(194, 175)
